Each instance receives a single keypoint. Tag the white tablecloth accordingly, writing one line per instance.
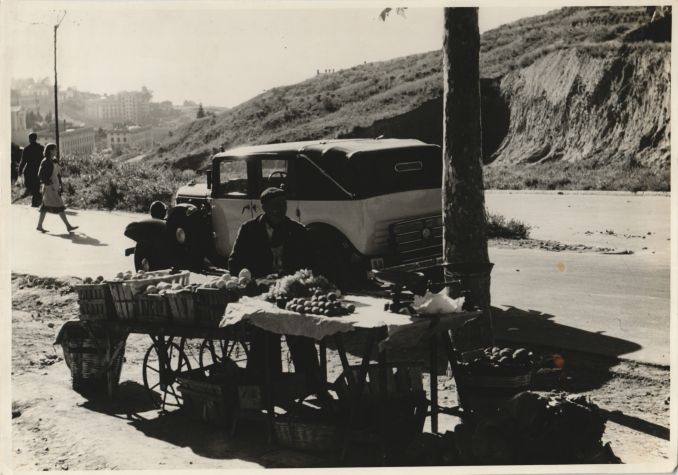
(403, 330)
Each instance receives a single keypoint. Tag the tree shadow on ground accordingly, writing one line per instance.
(593, 352)
(81, 238)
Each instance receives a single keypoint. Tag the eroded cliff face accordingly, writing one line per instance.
(605, 103)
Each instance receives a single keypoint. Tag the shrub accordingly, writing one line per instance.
(499, 227)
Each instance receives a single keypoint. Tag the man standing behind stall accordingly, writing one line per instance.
(269, 244)
(31, 157)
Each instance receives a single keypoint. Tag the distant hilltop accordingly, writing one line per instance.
(588, 85)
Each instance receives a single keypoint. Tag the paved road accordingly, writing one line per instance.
(612, 304)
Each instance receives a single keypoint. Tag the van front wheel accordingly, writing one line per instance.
(146, 259)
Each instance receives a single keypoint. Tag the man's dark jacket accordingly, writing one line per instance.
(252, 249)
(30, 162)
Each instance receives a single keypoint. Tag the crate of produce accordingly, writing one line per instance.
(124, 290)
(210, 393)
(95, 302)
(488, 377)
(211, 304)
(182, 307)
(152, 308)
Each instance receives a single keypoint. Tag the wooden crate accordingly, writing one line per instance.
(182, 307)
(152, 308)
(123, 292)
(95, 302)
(211, 305)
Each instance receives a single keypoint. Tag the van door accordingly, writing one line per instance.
(231, 201)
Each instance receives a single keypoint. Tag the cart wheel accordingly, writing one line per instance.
(214, 351)
(162, 364)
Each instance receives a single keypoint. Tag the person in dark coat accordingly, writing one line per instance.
(270, 244)
(30, 163)
(15, 159)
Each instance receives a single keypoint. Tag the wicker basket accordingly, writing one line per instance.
(298, 434)
(152, 308)
(95, 302)
(210, 397)
(87, 361)
(211, 305)
(182, 307)
(123, 292)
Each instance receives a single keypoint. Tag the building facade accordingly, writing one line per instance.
(134, 138)
(19, 130)
(80, 141)
(124, 107)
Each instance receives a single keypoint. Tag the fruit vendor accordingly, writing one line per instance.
(270, 244)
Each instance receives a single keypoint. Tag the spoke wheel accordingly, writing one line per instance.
(214, 351)
(162, 365)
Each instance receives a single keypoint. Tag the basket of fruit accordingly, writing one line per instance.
(94, 300)
(488, 377)
(125, 286)
(213, 296)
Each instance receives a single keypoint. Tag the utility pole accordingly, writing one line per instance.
(56, 90)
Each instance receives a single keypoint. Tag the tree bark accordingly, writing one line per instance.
(465, 234)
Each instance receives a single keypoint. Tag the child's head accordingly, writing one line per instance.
(50, 151)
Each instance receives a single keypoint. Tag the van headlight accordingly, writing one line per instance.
(180, 234)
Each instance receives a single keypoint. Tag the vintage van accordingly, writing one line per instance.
(368, 203)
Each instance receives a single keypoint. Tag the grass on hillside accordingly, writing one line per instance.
(98, 182)
(576, 176)
(332, 105)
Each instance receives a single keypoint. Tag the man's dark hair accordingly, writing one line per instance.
(32, 137)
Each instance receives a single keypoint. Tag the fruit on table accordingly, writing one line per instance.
(317, 307)
(300, 284)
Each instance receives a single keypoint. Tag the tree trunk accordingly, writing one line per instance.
(465, 235)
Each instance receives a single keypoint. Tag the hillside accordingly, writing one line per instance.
(561, 86)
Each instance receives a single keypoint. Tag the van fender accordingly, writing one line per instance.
(147, 230)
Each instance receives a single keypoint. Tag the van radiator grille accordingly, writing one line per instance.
(417, 239)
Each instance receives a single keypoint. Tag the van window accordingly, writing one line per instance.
(273, 174)
(394, 171)
(233, 179)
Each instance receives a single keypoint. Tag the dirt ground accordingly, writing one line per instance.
(56, 428)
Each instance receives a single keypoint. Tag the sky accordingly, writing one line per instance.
(217, 53)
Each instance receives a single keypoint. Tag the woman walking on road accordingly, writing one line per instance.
(50, 177)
